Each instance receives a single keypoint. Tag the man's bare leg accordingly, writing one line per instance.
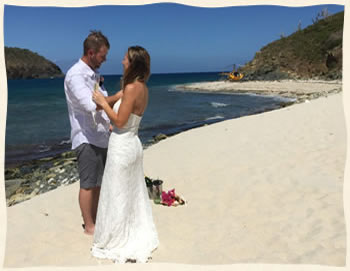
(96, 196)
(86, 199)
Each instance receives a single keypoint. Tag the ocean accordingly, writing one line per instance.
(37, 123)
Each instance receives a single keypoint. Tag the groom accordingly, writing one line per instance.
(89, 125)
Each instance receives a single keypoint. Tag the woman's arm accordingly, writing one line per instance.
(126, 107)
(111, 100)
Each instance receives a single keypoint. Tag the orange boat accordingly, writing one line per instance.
(235, 76)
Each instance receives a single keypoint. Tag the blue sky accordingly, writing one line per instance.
(179, 38)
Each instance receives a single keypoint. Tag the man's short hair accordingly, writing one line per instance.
(95, 41)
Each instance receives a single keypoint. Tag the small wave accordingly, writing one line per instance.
(65, 142)
(216, 105)
(214, 118)
(276, 97)
(284, 99)
(43, 148)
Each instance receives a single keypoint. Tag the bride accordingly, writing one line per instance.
(124, 229)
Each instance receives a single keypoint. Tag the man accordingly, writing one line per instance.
(89, 125)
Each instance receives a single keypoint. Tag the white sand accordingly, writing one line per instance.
(261, 189)
(286, 88)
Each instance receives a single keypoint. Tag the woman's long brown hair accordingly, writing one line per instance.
(139, 68)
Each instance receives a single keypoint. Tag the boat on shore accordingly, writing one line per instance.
(234, 75)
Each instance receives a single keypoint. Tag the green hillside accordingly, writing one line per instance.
(314, 52)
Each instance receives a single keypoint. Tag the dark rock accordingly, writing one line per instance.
(25, 170)
(69, 154)
(159, 137)
(11, 186)
(12, 173)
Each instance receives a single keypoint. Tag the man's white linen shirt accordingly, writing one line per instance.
(87, 124)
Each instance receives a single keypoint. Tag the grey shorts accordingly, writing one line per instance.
(91, 164)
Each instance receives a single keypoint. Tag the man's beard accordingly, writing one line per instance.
(95, 63)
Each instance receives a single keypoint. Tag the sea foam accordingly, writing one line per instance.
(216, 105)
(215, 117)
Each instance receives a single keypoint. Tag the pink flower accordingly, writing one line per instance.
(168, 198)
(171, 193)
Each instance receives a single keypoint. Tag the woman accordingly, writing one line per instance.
(124, 227)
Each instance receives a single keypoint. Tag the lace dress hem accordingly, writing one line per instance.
(122, 256)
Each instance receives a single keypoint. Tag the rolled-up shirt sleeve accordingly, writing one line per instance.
(80, 93)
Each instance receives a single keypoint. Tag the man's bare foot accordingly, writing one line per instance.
(89, 230)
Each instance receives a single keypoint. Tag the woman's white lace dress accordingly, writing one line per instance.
(124, 225)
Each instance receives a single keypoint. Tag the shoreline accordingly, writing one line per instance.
(27, 179)
(278, 89)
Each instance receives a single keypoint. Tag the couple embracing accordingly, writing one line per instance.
(113, 196)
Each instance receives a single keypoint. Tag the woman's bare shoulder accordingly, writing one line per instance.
(135, 87)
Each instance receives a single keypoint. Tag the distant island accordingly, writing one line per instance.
(25, 64)
(315, 52)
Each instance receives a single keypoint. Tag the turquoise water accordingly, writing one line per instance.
(37, 122)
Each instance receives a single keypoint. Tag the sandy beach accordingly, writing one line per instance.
(266, 188)
(297, 89)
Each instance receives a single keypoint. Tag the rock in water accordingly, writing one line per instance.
(159, 137)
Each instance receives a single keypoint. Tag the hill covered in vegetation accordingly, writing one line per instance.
(25, 64)
(314, 52)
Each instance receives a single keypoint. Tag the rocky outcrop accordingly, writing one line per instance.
(39, 176)
(312, 53)
(24, 64)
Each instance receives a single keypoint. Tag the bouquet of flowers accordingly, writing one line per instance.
(171, 199)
